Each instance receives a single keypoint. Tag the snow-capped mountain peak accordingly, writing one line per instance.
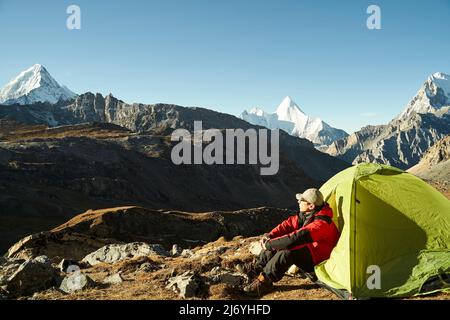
(288, 109)
(290, 118)
(35, 84)
(432, 97)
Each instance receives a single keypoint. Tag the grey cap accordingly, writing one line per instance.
(312, 195)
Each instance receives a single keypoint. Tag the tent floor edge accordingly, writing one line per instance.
(343, 294)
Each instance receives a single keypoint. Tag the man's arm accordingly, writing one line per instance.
(287, 226)
(313, 232)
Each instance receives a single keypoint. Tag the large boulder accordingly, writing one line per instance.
(76, 281)
(116, 252)
(56, 245)
(8, 268)
(187, 285)
(113, 279)
(32, 276)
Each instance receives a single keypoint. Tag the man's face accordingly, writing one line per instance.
(305, 206)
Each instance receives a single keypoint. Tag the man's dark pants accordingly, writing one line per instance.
(276, 263)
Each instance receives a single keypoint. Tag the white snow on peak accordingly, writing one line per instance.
(35, 84)
(288, 110)
(432, 97)
(441, 80)
(290, 118)
(258, 111)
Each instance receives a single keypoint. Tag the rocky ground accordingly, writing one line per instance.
(209, 272)
(90, 257)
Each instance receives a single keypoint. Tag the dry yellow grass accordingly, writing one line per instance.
(140, 285)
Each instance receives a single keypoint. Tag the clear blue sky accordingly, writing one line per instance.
(231, 55)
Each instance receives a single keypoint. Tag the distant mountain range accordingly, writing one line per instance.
(34, 97)
(403, 141)
(290, 118)
(60, 159)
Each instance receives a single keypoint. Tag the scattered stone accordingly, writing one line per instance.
(76, 281)
(33, 275)
(42, 259)
(150, 267)
(8, 268)
(113, 253)
(186, 285)
(187, 253)
(215, 270)
(146, 267)
(293, 270)
(113, 279)
(176, 250)
(231, 279)
(211, 261)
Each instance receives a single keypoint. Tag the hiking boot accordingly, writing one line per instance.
(250, 269)
(260, 286)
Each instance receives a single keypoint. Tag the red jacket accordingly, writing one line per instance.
(316, 231)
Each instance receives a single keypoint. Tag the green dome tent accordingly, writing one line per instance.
(395, 234)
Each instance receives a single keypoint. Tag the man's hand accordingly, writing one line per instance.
(263, 241)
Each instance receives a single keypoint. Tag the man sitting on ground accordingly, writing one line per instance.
(304, 239)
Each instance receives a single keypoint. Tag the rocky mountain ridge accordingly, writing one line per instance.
(404, 140)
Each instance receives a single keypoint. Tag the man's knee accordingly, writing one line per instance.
(285, 254)
(264, 257)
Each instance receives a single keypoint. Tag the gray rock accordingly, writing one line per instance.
(186, 285)
(148, 267)
(75, 282)
(216, 270)
(8, 268)
(113, 279)
(255, 248)
(32, 276)
(65, 264)
(231, 279)
(187, 253)
(42, 259)
(113, 253)
(176, 250)
(17, 247)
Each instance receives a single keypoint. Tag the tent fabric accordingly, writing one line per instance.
(390, 220)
